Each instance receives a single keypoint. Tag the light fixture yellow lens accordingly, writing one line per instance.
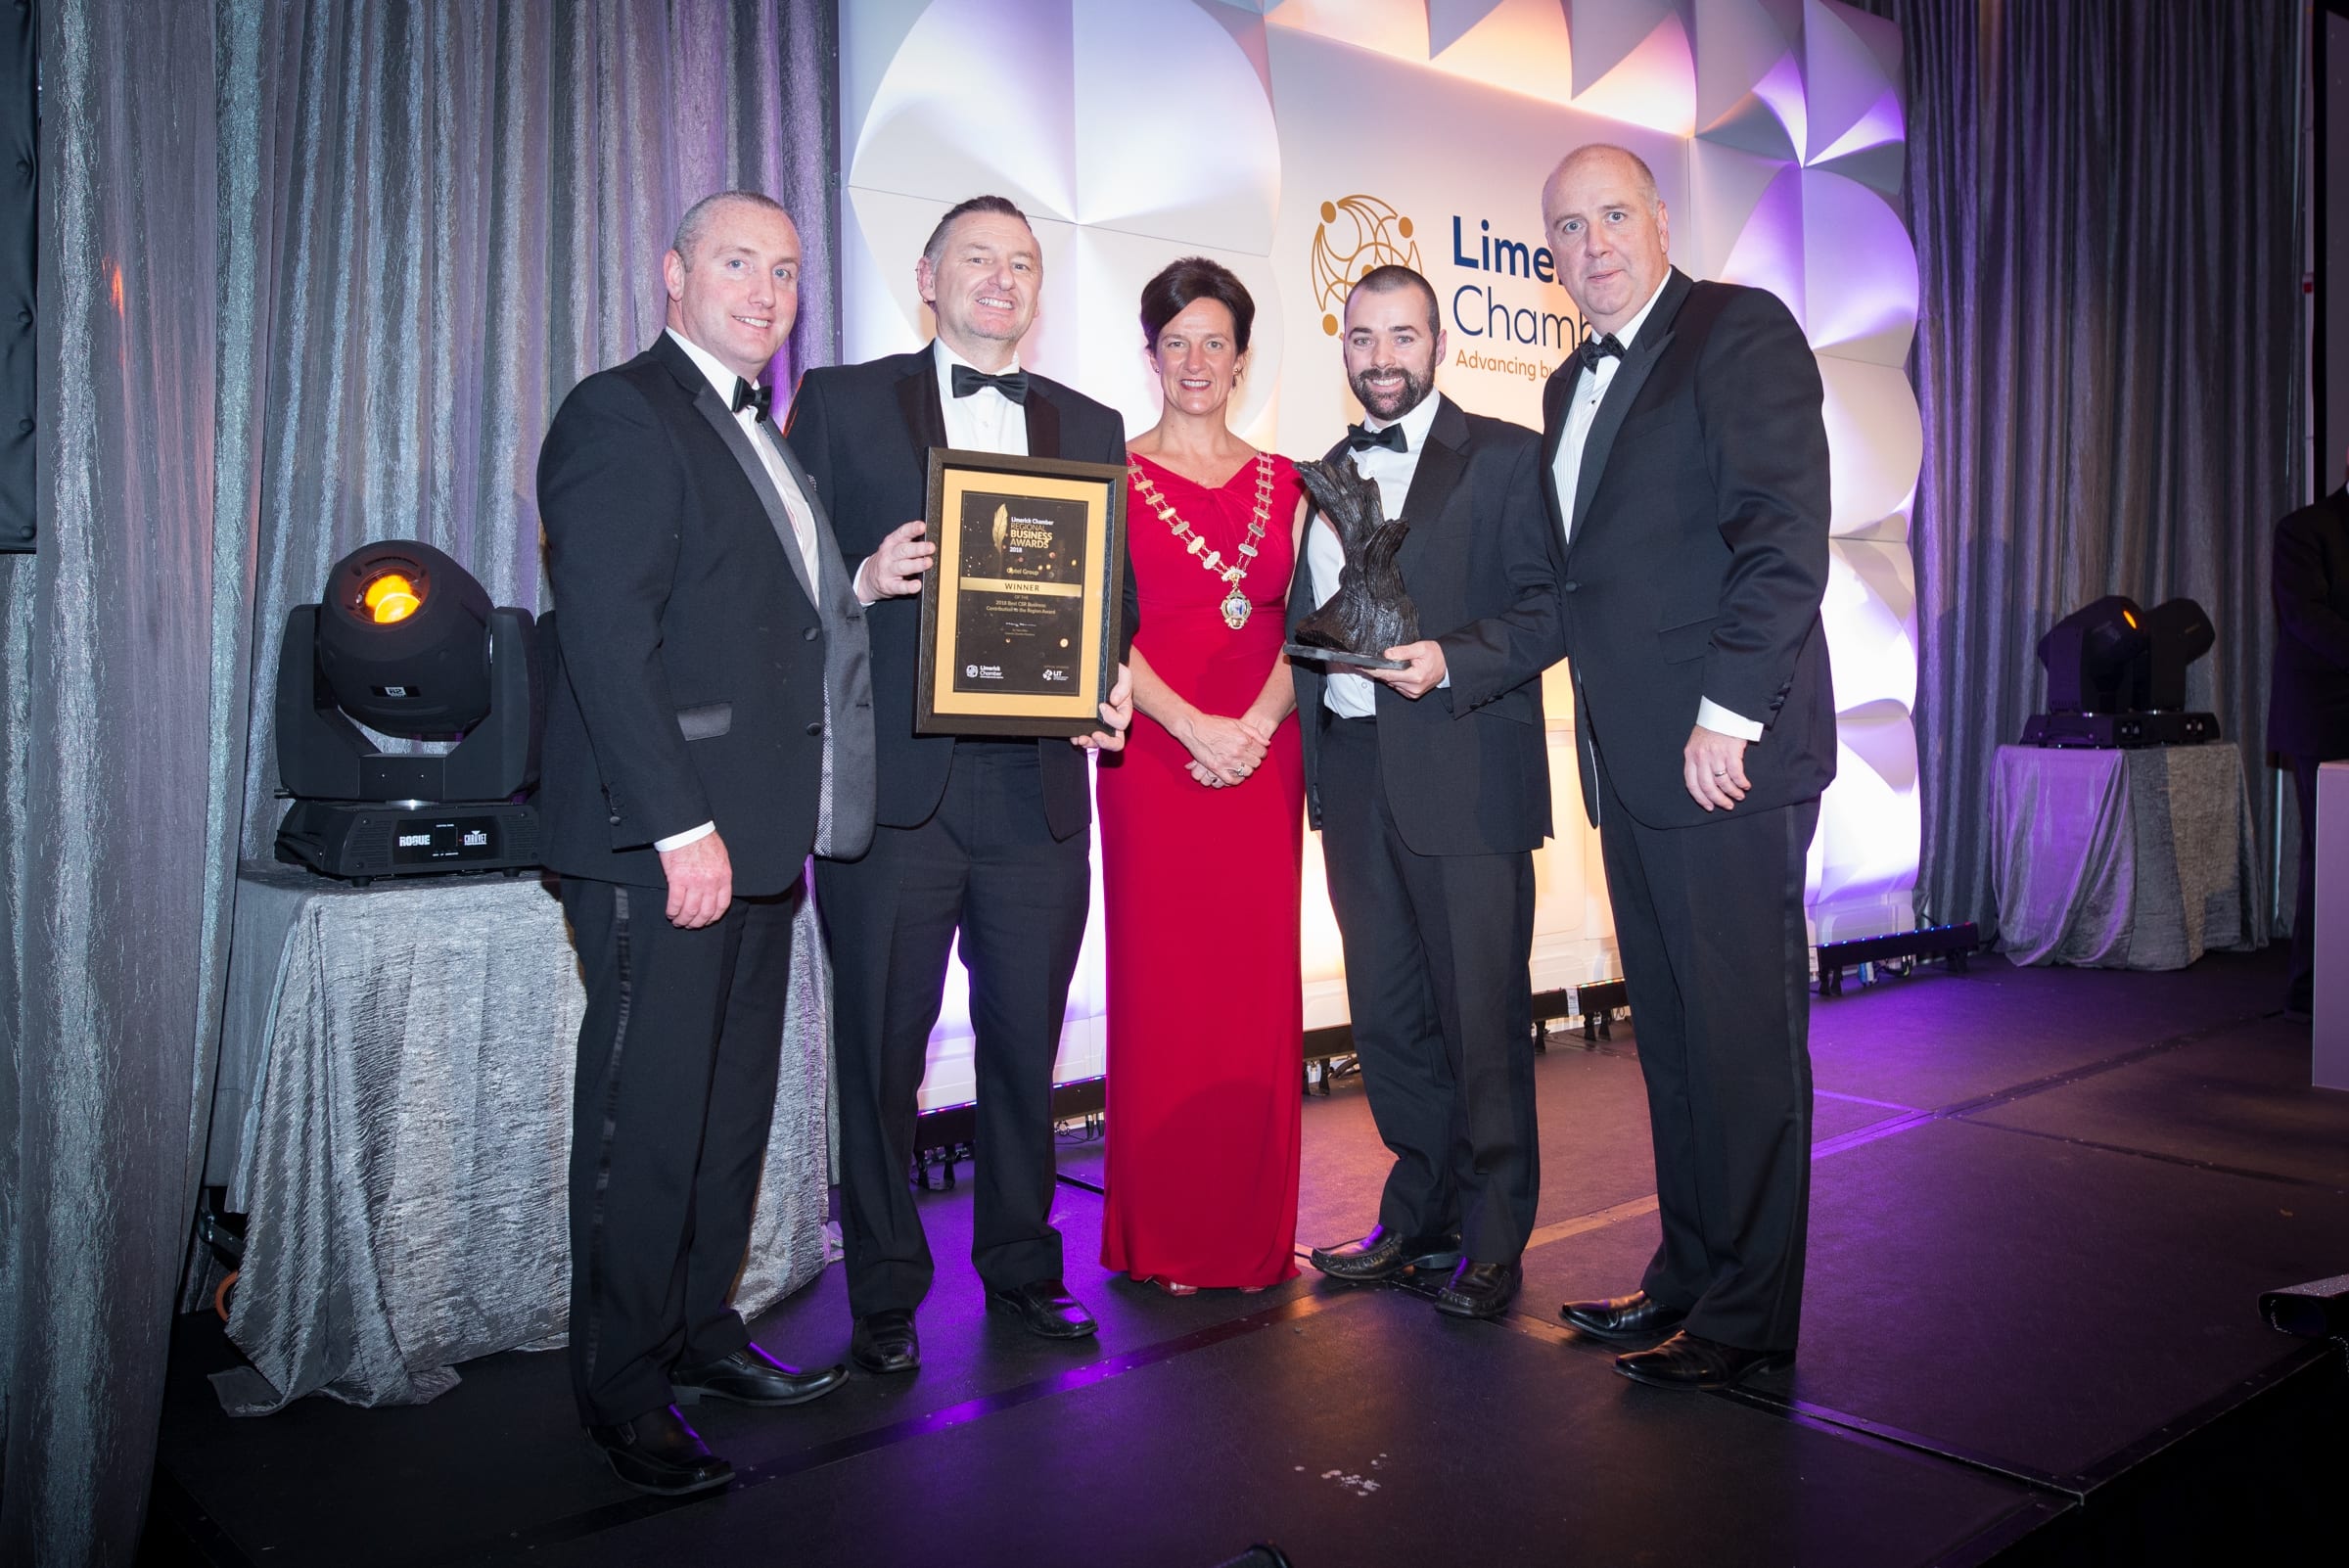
(390, 597)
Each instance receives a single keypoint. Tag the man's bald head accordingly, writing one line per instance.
(1608, 232)
(1622, 159)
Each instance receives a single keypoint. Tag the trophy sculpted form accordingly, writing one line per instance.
(1371, 611)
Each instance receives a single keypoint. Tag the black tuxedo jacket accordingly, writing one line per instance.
(1466, 768)
(1698, 552)
(2308, 699)
(864, 434)
(689, 684)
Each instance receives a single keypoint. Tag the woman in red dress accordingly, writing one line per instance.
(1202, 826)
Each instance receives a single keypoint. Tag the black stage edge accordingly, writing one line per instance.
(2045, 1205)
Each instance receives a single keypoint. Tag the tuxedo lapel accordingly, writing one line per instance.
(843, 817)
(1639, 363)
(1555, 393)
(1044, 424)
(925, 416)
(712, 408)
(1441, 463)
(833, 567)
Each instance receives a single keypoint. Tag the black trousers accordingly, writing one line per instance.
(2301, 990)
(1438, 949)
(675, 1093)
(1709, 920)
(986, 866)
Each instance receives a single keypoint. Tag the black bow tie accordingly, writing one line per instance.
(1594, 349)
(1013, 385)
(1357, 439)
(746, 395)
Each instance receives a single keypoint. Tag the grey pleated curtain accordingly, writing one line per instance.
(2103, 199)
(471, 211)
(312, 274)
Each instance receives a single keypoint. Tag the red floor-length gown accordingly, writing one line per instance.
(1206, 1007)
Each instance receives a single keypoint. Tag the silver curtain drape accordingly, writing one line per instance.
(312, 274)
(2103, 199)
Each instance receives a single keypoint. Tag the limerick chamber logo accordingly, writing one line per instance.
(1356, 233)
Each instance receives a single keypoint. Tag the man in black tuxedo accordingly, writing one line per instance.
(982, 836)
(1431, 787)
(707, 726)
(1686, 463)
(2308, 698)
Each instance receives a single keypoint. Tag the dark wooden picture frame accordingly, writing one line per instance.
(1022, 611)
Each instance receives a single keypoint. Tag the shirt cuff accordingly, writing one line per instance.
(678, 840)
(1713, 717)
(856, 584)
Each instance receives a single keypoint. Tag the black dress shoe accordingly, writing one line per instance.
(1637, 1315)
(751, 1376)
(1688, 1361)
(659, 1453)
(1383, 1254)
(1478, 1290)
(1044, 1306)
(885, 1342)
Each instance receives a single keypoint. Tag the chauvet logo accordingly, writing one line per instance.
(1356, 233)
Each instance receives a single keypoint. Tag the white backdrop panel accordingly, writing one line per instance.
(1299, 141)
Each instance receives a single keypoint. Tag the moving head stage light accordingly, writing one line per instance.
(406, 643)
(2116, 677)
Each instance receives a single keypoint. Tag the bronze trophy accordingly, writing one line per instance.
(1371, 611)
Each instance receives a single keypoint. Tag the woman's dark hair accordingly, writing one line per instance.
(1187, 281)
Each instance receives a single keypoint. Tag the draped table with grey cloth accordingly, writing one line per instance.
(393, 1119)
(2124, 859)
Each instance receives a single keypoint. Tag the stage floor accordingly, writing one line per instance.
(2044, 1206)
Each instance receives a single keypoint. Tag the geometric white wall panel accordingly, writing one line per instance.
(1742, 45)
(1767, 252)
(1725, 184)
(1864, 858)
(1148, 76)
(1396, 28)
(1875, 439)
(1852, 72)
(1871, 605)
(936, 126)
(1860, 281)
(1654, 87)
(1518, 45)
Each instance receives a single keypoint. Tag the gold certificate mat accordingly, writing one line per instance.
(1019, 615)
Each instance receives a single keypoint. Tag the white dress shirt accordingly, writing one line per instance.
(1345, 693)
(802, 519)
(1582, 412)
(986, 421)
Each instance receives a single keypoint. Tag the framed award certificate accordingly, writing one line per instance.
(1020, 611)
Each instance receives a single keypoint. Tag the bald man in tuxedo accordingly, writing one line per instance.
(1686, 469)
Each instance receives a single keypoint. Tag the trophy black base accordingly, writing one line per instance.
(2120, 730)
(1339, 656)
(357, 842)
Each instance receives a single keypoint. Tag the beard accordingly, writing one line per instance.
(1393, 402)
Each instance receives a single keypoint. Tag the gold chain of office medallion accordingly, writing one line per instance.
(1235, 604)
